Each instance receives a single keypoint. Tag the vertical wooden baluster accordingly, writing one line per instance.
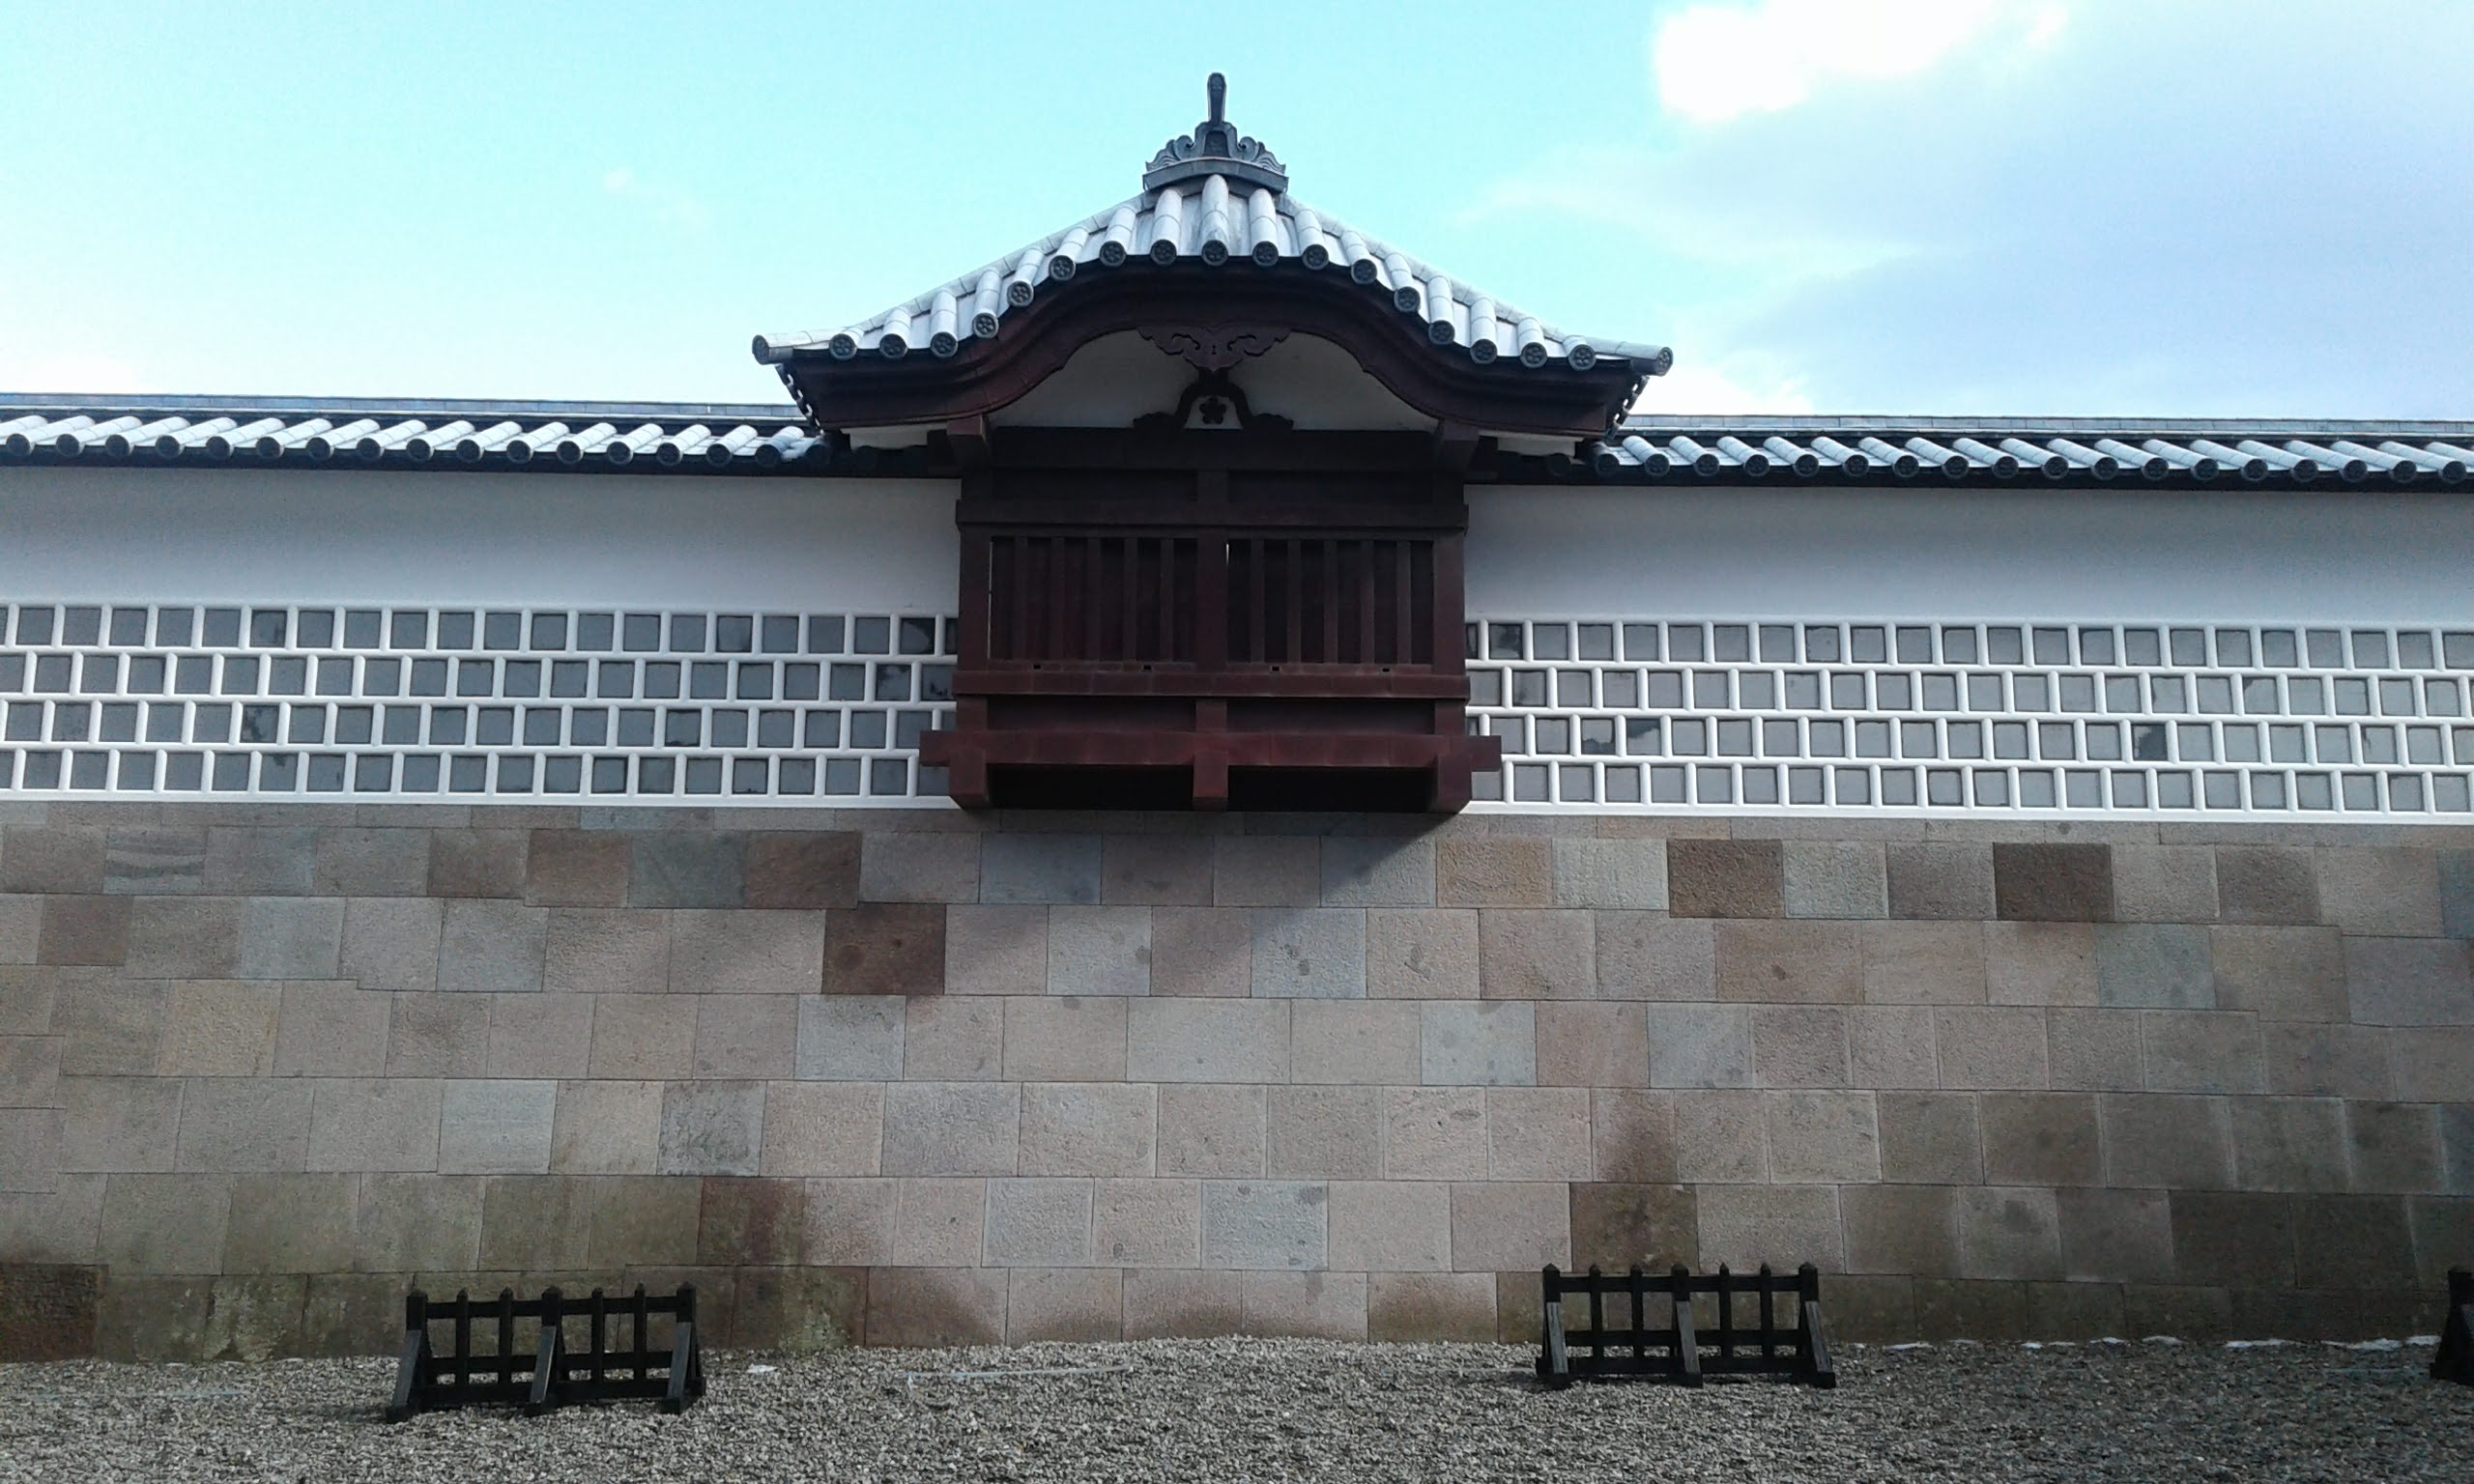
(1640, 1318)
(643, 1358)
(1331, 602)
(1404, 647)
(1094, 593)
(1768, 1323)
(1133, 548)
(506, 1337)
(463, 1343)
(1365, 604)
(1726, 1319)
(1021, 644)
(1596, 1320)
(600, 1336)
(1257, 558)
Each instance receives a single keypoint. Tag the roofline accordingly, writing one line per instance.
(2248, 427)
(413, 407)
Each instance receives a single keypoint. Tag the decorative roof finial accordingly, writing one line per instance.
(1214, 148)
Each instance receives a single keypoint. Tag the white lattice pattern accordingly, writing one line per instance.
(1976, 716)
(446, 702)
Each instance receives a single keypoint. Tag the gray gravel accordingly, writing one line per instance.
(1282, 1410)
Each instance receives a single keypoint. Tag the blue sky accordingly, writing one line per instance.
(2106, 207)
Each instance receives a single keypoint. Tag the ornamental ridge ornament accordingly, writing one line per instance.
(1214, 346)
(1215, 148)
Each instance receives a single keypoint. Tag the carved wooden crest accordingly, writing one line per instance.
(1209, 402)
(1214, 346)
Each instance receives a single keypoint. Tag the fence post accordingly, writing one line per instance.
(1687, 1346)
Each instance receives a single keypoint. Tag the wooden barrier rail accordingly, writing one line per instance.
(1663, 1340)
(549, 1373)
(2455, 1360)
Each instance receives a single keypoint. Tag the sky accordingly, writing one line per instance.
(2238, 208)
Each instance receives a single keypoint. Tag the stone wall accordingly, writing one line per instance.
(917, 1077)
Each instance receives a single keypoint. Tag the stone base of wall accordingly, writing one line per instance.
(919, 1077)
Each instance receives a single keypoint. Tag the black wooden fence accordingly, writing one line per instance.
(549, 1372)
(1658, 1333)
(2455, 1360)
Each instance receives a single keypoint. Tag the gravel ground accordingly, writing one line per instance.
(1286, 1410)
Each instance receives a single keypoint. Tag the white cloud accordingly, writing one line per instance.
(1716, 62)
(71, 370)
(667, 205)
(1735, 387)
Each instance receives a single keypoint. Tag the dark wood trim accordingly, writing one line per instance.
(1441, 382)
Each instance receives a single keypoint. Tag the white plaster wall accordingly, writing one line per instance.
(2355, 555)
(547, 541)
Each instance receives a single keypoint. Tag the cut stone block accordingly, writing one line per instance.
(1317, 952)
(1424, 954)
(1324, 1132)
(1016, 869)
(496, 1128)
(1377, 870)
(1098, 951)
(1264, 1224)
(1480, 1044)
(1215, 1133)
(850, 1038)
(1644, 955)
(1088, 1128)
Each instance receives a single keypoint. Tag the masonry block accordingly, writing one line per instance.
(418, 1224)
(607, 951)
(1540, 1134)
(2267, 884)
(537, 1223)
(577, 869)
(218, 1028)
(477, 863)
(1156, 871)
(492, 947)
(1174, 1304)
(1735, 879)
(886, 949)
(919, 867)
(996, 950)
(1309, 954)
(84, 931)
(2394, 1145)
(2381, 892)
(374, 1124)
(2360, 1242)
(1947, 880)
(1494, 872)
(1631, 1135)
(1377, 870)
(2008, 1233)
(1257, 1225)
(1354, 1041)
(2041, 1139)
(913, 1306)
(2410, 981)
(21, 929)
(330, 1030)
(696, 868)
(1435, 1133)
(606, 1128)
(1146, 1222)
(1892, 1046)
(436, 1035)
(292, 1223)
(1080, 1305)
(354, 861)
(1992, 1047)
(497, 1127)
(243, 1125)
(1790, 962)
(1485, 1044)
(187, 937)
(2307, 1059)
(1646, 956)
(1304, 1305)
(2115, 1236)
(2289, 1144)
(2093, 1049)
(2165, 884)
(1610, 873)
(2239, 1239)
(800, 871)
(640, 1036)
(1527, 954)
(1910, 1230)
(1422, 955)
(1591, 1045)
(1266, 870)
(1924, 964)
(1699, 1045)
(1088, 1128)
(846, 1221)
(1930, 1138)
(2152, 967)
(2203, 1051)
(1430, 1308)
(953, 1040)
(644, 1220)
(1834, 878)
(749, 1036)
(1800, 1045)
(108, 1027)
(1215, 1133)
(1744, 1226)
(1391, 1226)
(37, 859)
(1817, 1136)
(154, 1223)
(1098, 951)
(1039, 1223)
(2279, 973)
(540, 1036)
(2169, 1141)
(1207, 1041)
(2040, 963)
(391, 943)
(1202, 951)
(2053, 882)
(848, 1037)
(840, 1129)
(1615, 1225)
(1498, 1225)
(1040, 869)
(951, 1128)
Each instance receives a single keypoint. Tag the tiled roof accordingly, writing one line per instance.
(686, 437)
(1671, 449)
(1214, 198)
(704, 438)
